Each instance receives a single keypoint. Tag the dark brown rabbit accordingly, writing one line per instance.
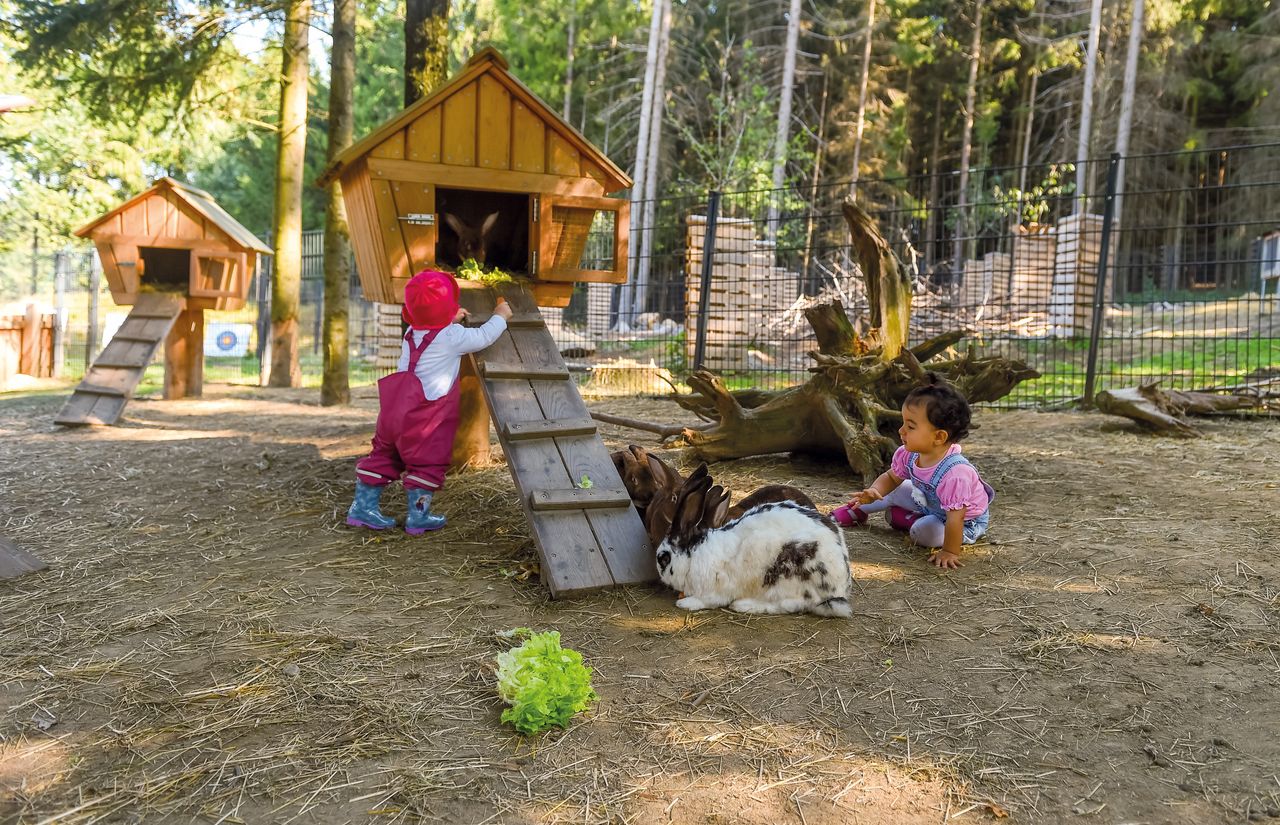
(768, 494)
(467, 241)
(644, 475)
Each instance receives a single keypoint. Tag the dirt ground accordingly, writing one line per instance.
(210, 644)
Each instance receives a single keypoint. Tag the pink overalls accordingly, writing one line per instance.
(413, 433)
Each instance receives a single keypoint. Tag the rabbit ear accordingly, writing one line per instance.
(688, 509)
(488, 224)
(456, 225)
(721, 508)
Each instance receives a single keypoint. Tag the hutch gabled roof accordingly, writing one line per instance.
(199, 200)
(487, 62)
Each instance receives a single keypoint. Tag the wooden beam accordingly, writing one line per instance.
(578, 499)
(496, 180)
(525, 372)
(184, 356)
(548, 428)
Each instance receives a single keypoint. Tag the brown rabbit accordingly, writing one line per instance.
(644, 475)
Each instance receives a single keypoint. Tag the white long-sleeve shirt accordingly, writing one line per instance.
(438, 365)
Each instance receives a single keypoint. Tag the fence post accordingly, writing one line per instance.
(1100, 288)
(59, 313)
(91, 336)
(704, 291)
(263, 295)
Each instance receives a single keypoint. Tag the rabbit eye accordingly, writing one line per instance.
(664, 560)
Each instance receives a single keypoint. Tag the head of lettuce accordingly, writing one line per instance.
(544, 684)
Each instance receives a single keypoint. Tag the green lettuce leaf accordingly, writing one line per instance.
(544, 683)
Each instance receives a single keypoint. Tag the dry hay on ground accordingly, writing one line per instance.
(210, 644)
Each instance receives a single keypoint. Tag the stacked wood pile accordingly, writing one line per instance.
(747, 291)
(389, 335)
(1034, 251)
(1075, 274)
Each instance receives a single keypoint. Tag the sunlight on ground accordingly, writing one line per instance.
(31, 767)
(870, 571)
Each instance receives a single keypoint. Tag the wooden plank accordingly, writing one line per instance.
(389, 226)
(493, 136)
(526, 321)
(528, 140)
(562, 157)
(133, 221)
(579, 499)
(567, 547)
(547, 427)
(493, 180)
(424, 137)
(371, 264)
(525, 372)
(392, 147)
(14, 561)
(419, 239)
(109, 381)
(458, 135)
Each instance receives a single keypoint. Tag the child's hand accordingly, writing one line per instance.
(461, 315)
(503, 309)
(866, 496)
(945, 559)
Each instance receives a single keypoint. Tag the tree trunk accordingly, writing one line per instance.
(851, 406)
(1086, 108)
(641, 171)
(1125, 125)
(641, 287)
(426, 47)
(966, 141)
(568, 70)
(335, 387)
(286, 285)
(862, 96)
(783, 132)
(1166, 411)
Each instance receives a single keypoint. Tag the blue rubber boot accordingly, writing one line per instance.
(421, 519)
(364, 510)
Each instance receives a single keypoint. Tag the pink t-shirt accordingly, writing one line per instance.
(961, 489)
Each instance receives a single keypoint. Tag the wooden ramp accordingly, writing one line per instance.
(109, 383)
(588, 536)
(14, 561)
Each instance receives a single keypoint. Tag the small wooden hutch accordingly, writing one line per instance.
(171, 252)
(483, 143)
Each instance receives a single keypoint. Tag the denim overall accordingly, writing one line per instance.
(975, 527)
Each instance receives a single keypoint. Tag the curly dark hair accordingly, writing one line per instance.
(945, 407)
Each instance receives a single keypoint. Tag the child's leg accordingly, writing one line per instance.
(373, 474)
(928, 531)
(382, 466)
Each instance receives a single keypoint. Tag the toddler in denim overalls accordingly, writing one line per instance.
(930, 491)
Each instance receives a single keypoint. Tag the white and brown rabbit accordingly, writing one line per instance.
(776, 558)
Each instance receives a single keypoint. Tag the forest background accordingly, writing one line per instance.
(1204, 73)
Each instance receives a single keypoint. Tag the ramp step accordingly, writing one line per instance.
(578, 499)
(548, 428)
(528, 373)
(122, 364)
(526, 322)
(97, 389)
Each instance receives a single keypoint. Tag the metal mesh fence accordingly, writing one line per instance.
(1164, 267)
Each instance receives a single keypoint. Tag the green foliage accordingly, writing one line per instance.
(544, 684)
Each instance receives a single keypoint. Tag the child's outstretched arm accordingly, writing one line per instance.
(884, 484)
(948, 555)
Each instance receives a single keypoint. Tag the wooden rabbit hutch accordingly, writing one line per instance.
(171, 252)
(481, 144)
(482, 165)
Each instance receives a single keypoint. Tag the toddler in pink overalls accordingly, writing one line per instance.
(418, 404)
